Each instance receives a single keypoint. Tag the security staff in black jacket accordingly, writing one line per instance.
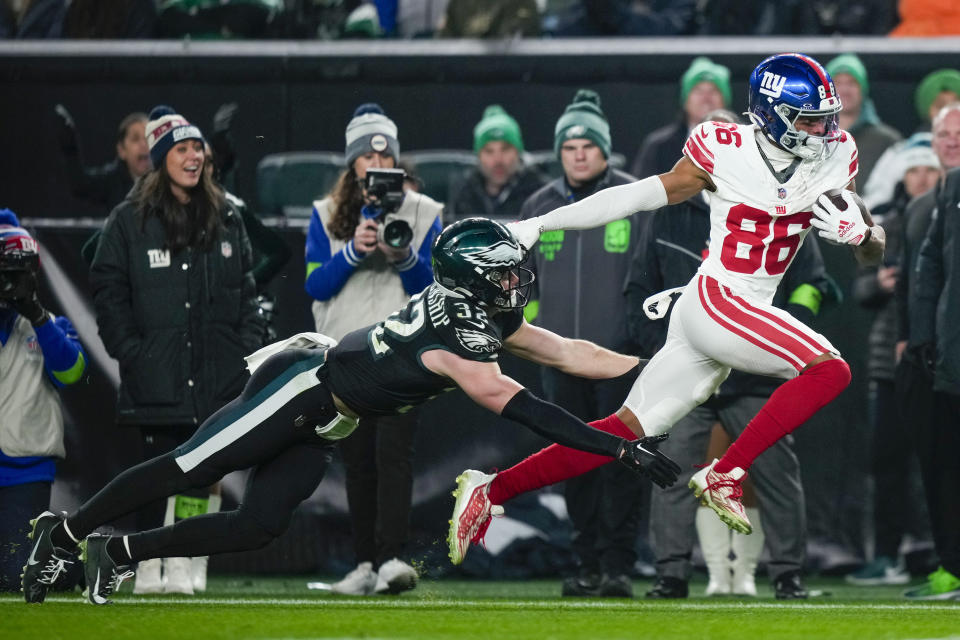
(175, 302)
(935, 343)
(579, 275)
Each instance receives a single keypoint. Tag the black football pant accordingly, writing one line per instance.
(605, 505)
(378, 460)
(269, 428)
(898, 504)
(934, 420)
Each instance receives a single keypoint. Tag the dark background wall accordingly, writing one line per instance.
(291, 100)
(299, 97)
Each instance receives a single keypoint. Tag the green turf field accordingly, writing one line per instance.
(274, 608)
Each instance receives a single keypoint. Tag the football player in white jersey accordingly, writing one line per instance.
(765, 183)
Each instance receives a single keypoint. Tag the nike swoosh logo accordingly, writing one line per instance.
(32, 560)
(640, 447)
(478, 325)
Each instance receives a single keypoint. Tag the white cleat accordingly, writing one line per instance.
(747, 550)
(149, 577)
(395, 576)
(362, 581)
(471, 513)
(177, 576)
(198, 573)
(722, 493)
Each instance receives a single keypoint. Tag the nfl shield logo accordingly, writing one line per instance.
(226, 249)
(781, 193)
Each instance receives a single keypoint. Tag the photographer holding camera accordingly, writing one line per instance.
(368, 251)
(39, 353)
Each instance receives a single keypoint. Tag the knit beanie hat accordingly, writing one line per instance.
(165, 128)
(703, 69)
(17, 246)
(850, 63)
(371, 130)
(583, 118)
(917, 152)
(931, 86)
(497, 124)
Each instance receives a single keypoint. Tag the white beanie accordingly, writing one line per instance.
(371, 130)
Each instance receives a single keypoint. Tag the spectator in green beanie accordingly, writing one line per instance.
(704, 87)
(938, 89)
(500, 183)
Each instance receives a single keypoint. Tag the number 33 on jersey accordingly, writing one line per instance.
(756, 223)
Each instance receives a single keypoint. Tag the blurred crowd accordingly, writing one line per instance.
(338, 19)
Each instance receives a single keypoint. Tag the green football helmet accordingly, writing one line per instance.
(478, 259)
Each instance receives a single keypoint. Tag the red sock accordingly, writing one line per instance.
(553, 464)
(792, 404)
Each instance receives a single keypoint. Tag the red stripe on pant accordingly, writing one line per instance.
(553, 464)
(797, 332)
(769, 327)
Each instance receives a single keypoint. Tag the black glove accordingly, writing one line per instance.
(644, 457)
(19, 288)
(66, 130)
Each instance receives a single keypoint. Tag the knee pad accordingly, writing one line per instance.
(834, 372)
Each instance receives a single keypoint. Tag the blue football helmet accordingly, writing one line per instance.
(789, 86)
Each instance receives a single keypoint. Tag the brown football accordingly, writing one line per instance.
(841, 204)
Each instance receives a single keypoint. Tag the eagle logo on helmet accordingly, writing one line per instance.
(500, 254)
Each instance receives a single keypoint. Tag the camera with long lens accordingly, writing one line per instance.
(385, 190)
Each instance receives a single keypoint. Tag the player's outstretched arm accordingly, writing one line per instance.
(490, 388)
(614, 203)
(574, 357)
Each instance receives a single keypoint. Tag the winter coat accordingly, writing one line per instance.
(935, 300)
(472, 198)
(179, 323)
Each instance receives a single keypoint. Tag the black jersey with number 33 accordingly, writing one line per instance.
(377, 370)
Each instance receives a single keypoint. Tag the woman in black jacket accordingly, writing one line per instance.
(176, 306)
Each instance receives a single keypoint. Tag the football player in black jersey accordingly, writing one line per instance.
(300, 401)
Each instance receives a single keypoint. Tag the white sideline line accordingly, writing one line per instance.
(391, 603)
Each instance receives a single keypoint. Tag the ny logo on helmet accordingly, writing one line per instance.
(772, 84)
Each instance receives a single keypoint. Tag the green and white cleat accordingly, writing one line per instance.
(722, 493)
(46, 562)
(940, 585)
(103, 575)
(471, 513)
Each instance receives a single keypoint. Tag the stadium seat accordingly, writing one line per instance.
(440, 170)
(288, 183)
(546, 162)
